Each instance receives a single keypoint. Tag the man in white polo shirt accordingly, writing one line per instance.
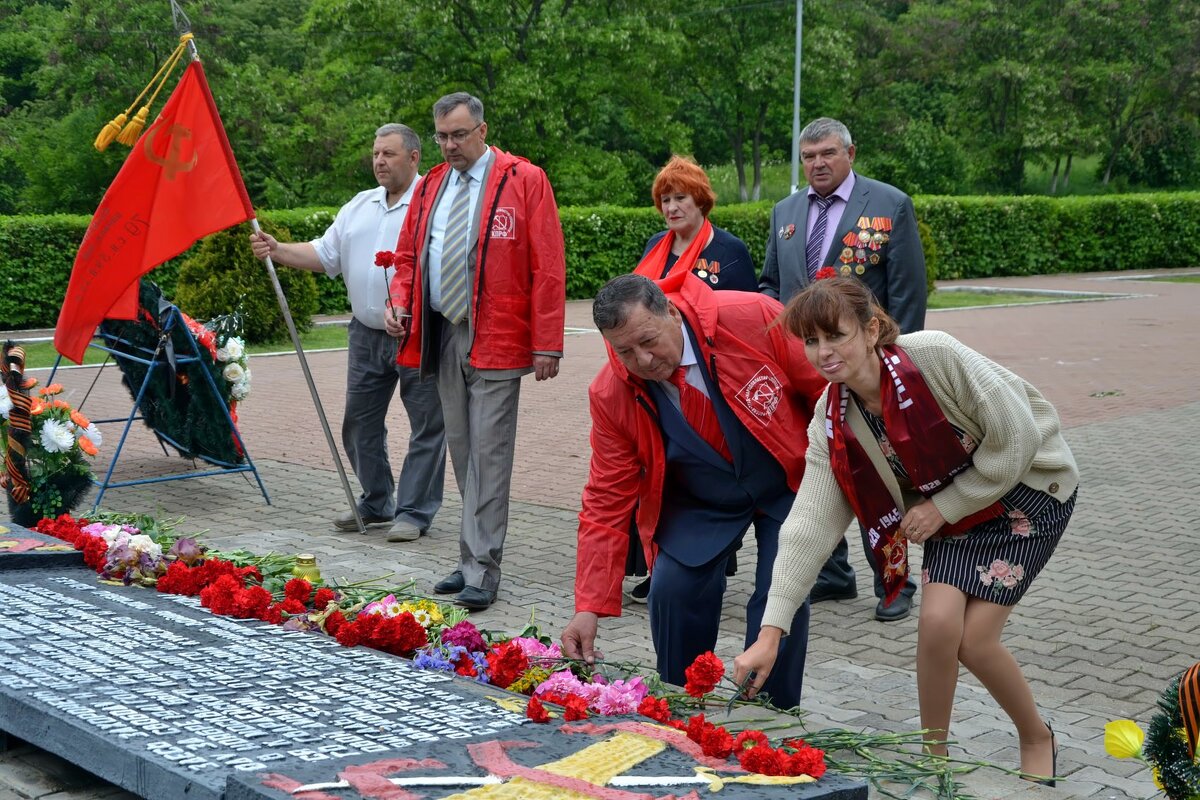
(369, 223)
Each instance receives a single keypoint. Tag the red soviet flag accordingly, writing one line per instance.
(180, 183)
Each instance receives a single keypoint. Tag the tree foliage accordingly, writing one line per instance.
(942, 97)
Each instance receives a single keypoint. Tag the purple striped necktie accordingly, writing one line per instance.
(813, 249)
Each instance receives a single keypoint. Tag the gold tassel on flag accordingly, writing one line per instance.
(128, 133)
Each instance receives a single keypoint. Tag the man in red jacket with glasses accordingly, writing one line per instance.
(481, 269)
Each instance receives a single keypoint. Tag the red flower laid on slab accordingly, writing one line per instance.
(703, 675)
(655, 708)
(536, 711)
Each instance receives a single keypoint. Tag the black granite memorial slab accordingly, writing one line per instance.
(21, 548)
(605, 758)
(156, 695)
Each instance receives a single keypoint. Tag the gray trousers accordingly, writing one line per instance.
(480, 407)
(371, 378)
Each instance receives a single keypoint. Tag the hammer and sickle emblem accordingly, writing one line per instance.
(172, 163)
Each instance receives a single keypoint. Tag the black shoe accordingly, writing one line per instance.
(475, 599)
(898, 610)
(345, 522)
(822, 592)
(451, 584)
(639, 593)
(1052, 781)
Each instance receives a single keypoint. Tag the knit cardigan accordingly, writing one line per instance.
(1019, 441)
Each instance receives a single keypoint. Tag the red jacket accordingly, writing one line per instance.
(518, 297)
(762, 373)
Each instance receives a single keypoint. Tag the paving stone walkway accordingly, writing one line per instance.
(1111, 620)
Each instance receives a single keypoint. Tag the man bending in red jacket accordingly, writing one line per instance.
(699, 421)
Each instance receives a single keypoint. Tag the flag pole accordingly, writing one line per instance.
(312, 386)
(184, 25)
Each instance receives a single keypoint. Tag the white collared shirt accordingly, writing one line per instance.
(441, 215)
(362, 228)
(693, 376)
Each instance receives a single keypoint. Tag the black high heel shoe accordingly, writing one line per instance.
(1053, 780)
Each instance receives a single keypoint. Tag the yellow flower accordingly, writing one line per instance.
(1123, 739)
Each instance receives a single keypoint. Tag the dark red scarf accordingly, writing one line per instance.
(654, 262)
(925, 443)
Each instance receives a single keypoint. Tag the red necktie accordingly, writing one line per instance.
(699, 412)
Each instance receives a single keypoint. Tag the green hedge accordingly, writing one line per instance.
(974, 237)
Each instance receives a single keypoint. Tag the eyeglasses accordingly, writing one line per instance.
(458, 137)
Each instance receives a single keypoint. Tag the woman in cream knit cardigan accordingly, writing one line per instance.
(926, 442)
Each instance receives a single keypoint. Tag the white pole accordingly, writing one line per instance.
(796, 101)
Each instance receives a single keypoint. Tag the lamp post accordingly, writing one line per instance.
(796, 101)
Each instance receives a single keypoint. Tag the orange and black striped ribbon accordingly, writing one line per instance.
(20, 423)
(1189, 705)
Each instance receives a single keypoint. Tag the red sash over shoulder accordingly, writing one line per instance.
(655, 262)
(925, 443)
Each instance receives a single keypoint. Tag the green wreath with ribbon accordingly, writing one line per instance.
(1169, 745)
(178, 402)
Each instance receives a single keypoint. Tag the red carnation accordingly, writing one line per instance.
(747, 739)
(826, 272)
(95, 553)
(273, 614)
(807, 761)
(251, 603)
(297, 589)
(292, 606)
(217, 597)
(324, 597)
(506, 662)
(385, 258)
(696, 726)
(655, 708)
(575, 708)
(703, 675)
(717, 742)
(763, 760)
(536, 711)
(335, 622)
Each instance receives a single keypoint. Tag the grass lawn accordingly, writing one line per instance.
(323, 337)
(963, 299)
(1176, 278)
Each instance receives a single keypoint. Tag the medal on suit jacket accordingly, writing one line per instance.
(787, 231)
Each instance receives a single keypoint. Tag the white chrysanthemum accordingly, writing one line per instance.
(93, 433)
(5, 402)
(57, 436)
(240, 390)
(234, 372)
(114, 534)
(142, 543)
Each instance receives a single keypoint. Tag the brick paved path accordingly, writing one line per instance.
(1111, 620)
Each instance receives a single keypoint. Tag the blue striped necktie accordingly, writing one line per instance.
(813, 249)
(454, 253)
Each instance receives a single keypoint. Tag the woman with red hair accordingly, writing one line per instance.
(684, 197)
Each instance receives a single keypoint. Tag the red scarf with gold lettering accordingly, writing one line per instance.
(654, 262)
(925, 443)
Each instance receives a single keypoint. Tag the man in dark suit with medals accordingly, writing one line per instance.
(857, 226)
